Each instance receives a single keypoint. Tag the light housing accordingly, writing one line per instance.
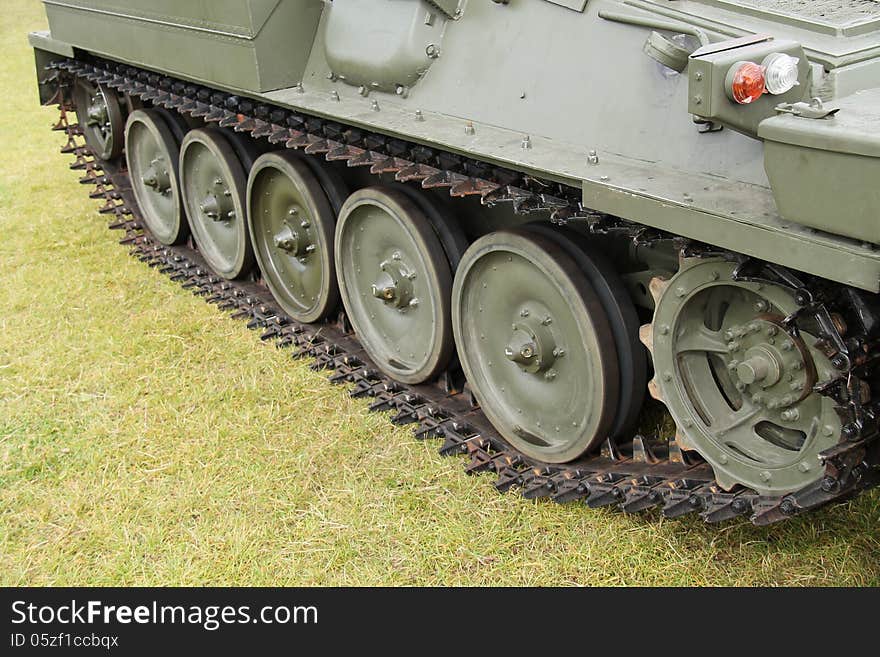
(780, 72)
(745, 82)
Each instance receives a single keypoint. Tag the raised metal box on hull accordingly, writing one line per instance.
(257, 45)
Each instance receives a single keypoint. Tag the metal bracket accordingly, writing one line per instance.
(815, 109)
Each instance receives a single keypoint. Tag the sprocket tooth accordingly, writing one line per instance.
(646, 336)
(657, 286)
(654, 390)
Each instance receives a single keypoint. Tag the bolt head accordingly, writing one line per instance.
(850, 430)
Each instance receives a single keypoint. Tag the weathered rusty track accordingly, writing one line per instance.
(633, 477)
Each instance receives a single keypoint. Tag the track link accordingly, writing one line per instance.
(642, 475)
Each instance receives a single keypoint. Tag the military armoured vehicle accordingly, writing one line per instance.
(508, 221)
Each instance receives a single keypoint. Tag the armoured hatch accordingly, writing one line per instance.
(386, 46)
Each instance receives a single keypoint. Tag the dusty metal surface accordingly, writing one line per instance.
(835, 12)
(641, 474)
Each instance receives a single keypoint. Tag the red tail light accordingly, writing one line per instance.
(747, 82)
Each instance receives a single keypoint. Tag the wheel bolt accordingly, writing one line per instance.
(828, 484)
(850, 430)
(739, 505)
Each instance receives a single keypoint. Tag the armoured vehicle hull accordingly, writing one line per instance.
(681, 192)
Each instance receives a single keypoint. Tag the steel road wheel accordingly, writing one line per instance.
(738, 385)
(100, 116)
(395, 283)
(632, 362)
(292, 226)
(535, 345)
(214, 189)
(152, 154)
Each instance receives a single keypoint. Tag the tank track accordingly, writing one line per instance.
(644, 474)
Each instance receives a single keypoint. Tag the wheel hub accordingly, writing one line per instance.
(97, 112)
(216, 204)
(394, 285)
(771, 367)
(293, 239)
(157, 177)
(532, 345)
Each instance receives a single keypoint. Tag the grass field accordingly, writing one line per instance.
(145, 438)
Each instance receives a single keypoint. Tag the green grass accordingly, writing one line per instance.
(145, 438)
